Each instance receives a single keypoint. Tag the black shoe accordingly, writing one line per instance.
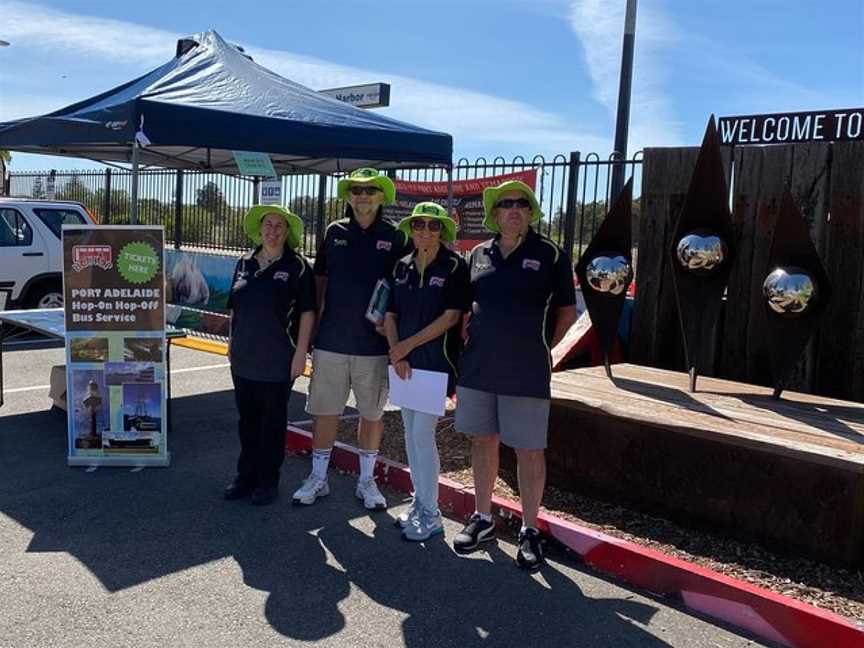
(476, 532)
(236, 490)
(530, 553)
(264, 495)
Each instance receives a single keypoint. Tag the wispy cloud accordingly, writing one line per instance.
(476, 120)
(599, 26)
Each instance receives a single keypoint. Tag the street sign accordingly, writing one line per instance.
(788, 128)
(371, 95)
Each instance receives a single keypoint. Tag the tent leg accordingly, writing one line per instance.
(450, 190)
(134, 216)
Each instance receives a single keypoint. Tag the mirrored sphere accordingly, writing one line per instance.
(701, 251)
(609, 274)
(789, 291)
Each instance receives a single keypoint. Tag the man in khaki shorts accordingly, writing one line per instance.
(350, 355)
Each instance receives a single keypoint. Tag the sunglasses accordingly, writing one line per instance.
(507, 203)
(359, 191)
(418, 225)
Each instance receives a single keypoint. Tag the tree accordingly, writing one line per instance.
(305, 207)
(76, 190)
(118, 205)
(210, 198)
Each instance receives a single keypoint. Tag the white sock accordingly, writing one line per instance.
(320, 461)
(486, 517)
(367, 464)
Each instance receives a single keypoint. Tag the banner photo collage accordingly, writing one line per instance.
(114, 295)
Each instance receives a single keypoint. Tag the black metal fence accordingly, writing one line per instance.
(205, 210)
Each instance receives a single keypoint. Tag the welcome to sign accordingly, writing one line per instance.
(790, 128)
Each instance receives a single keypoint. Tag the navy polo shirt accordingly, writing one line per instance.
(353, 259)
(266, 307)
(418, 299)
(513, 316)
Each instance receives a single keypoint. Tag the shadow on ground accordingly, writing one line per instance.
(132, 527)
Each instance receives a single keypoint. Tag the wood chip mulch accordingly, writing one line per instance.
(831, 588)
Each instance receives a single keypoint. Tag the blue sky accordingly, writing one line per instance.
(503, 77)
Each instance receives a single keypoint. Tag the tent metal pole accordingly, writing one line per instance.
(134, 217)
(450, 189)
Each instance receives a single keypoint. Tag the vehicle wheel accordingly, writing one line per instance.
(46, 297)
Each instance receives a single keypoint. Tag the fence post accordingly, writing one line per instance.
(106, 199)
(256, 190)
(319, 210)
(178, 210)
(570, 214)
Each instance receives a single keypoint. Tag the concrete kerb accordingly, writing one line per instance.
(770, 616)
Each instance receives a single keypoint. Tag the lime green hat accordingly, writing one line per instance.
(253, 218)
(364, 175)
(434, 211)
(492, 194)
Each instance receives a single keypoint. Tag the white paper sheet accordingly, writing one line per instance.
(425, 391)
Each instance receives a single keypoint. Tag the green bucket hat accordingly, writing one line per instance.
(433, 211)
(253, 218)
(364, 175)
(492, 194)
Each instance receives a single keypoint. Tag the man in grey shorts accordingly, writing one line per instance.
(349, 353)
(523, 304)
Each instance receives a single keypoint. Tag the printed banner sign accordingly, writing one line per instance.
(271, 192)
(114, 291)
(789, 128)
(196, 290)
(467, 198)
(251, 163)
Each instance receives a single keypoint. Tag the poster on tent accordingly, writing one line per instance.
(114, 292)
(468, 199)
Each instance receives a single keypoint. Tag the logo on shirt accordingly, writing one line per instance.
(531, 264)
(383, 245)
(436, 281)
(281, 276)
(340, 242)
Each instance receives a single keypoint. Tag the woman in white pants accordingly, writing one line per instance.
(430, 292)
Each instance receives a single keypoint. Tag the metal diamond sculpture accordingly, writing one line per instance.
(796, 291)
(702, 253)
(605, 270)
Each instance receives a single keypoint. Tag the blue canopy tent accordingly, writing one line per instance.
(213, 99)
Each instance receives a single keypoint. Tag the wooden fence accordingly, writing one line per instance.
(827, 182)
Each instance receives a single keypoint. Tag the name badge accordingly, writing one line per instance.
(530, 264)
(340, 242)
(383, 245)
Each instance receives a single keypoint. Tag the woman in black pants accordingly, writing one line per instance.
(272, 304)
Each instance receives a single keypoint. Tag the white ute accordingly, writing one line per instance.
(31, 257)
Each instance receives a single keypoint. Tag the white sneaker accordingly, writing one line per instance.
(312, 489)
(367, 490)
(406, 517)
(423, 527)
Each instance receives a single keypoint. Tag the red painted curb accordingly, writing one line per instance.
(764, 613)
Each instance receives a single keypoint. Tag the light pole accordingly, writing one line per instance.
(622, 121)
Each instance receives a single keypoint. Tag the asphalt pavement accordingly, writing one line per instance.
(153, 557)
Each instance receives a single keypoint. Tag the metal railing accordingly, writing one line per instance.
(205, 210)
